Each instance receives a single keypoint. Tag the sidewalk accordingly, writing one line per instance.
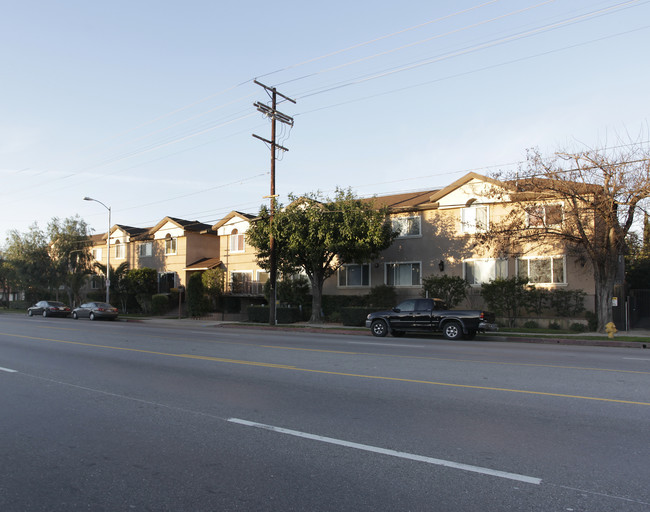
(621, 338)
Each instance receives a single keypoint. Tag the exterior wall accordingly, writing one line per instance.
(240, 261)
(445, 239)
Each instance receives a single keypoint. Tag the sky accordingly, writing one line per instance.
(148, 106)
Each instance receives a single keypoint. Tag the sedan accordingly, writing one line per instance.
(49, 308)
(95, 310)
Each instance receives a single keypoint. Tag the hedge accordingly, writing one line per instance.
(260, 314)
(355, 316)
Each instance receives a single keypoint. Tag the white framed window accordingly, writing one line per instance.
(97, 254)
(474, 219)
(354, 275)
(543, 270)
(145, 249)
(403, 274)
(237, 241)
(119, 250)
(485, 270)
(170, 245)
(262, 276)
(407, 226)
(545, 215)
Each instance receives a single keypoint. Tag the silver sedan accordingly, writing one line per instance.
(95, 310)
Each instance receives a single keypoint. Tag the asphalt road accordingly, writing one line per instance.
(124, 416)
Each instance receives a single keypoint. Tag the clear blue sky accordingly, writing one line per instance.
(147, 106)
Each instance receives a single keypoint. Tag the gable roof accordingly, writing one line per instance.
(186, 225)
(463, 181)
(404, 201)
(232, 215)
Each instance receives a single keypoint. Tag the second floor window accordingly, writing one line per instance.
(540, 216)
(407, 226)
(119, 250)
(474, 219)
(237, 242)
(354, 275)
(170, 245)
(145, 249)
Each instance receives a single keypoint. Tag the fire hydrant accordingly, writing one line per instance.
(611, 329)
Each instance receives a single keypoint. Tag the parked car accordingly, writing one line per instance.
(95, 310)
(49, 308)
(430, 315)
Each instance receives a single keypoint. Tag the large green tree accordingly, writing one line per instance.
(28, 256)
(70, 255)
(317, 235)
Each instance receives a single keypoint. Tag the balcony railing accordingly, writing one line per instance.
(245, 288)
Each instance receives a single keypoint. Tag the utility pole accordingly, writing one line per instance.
(274, 115)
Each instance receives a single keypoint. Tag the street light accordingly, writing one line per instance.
(108, 249)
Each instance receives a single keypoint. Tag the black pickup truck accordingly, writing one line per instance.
(430, 315)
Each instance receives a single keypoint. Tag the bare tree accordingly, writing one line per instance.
(585, 202)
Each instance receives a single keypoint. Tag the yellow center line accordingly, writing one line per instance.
(326, 372)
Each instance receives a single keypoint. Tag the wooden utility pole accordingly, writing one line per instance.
(274, 115)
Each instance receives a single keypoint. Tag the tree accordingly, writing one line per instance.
(119, 286)
(141, 283)
(213, 283)
(317, 235)
(585, 202)
(70, 254)
(451, 289)
(196, 300)
(27, 254)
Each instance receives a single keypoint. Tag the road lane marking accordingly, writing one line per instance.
(8, 370)
(636, 358)
(392, 453)
(342, 374)
(383, 344)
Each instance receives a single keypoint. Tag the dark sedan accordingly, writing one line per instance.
(95, 310)
(49, 308)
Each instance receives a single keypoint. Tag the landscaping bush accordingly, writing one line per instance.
(451, 289)
(531, 324)
(382, 296)
(159, 304)
(578, 327)
(568, 303)
(554, 325)
(355, 316)
(592, 320)
(197, 302)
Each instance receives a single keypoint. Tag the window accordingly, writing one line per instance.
(540, 216)
(145, 249)
(549, 270)
(170, 244)
(237, 243)
(474, 219)
(97, 254)
(403, 274)
(407, 226)
(354, 275)
(486, 270)
(119, 250)
(240, 281)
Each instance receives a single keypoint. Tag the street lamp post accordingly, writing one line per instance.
(108, 249)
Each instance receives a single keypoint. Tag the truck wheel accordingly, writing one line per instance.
(379, 328)
(452, 331)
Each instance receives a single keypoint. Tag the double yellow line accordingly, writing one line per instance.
(326, 372)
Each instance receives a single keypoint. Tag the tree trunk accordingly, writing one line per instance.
(316, 300)
(604, 295)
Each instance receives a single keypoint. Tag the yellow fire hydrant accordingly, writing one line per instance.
(611, 329)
